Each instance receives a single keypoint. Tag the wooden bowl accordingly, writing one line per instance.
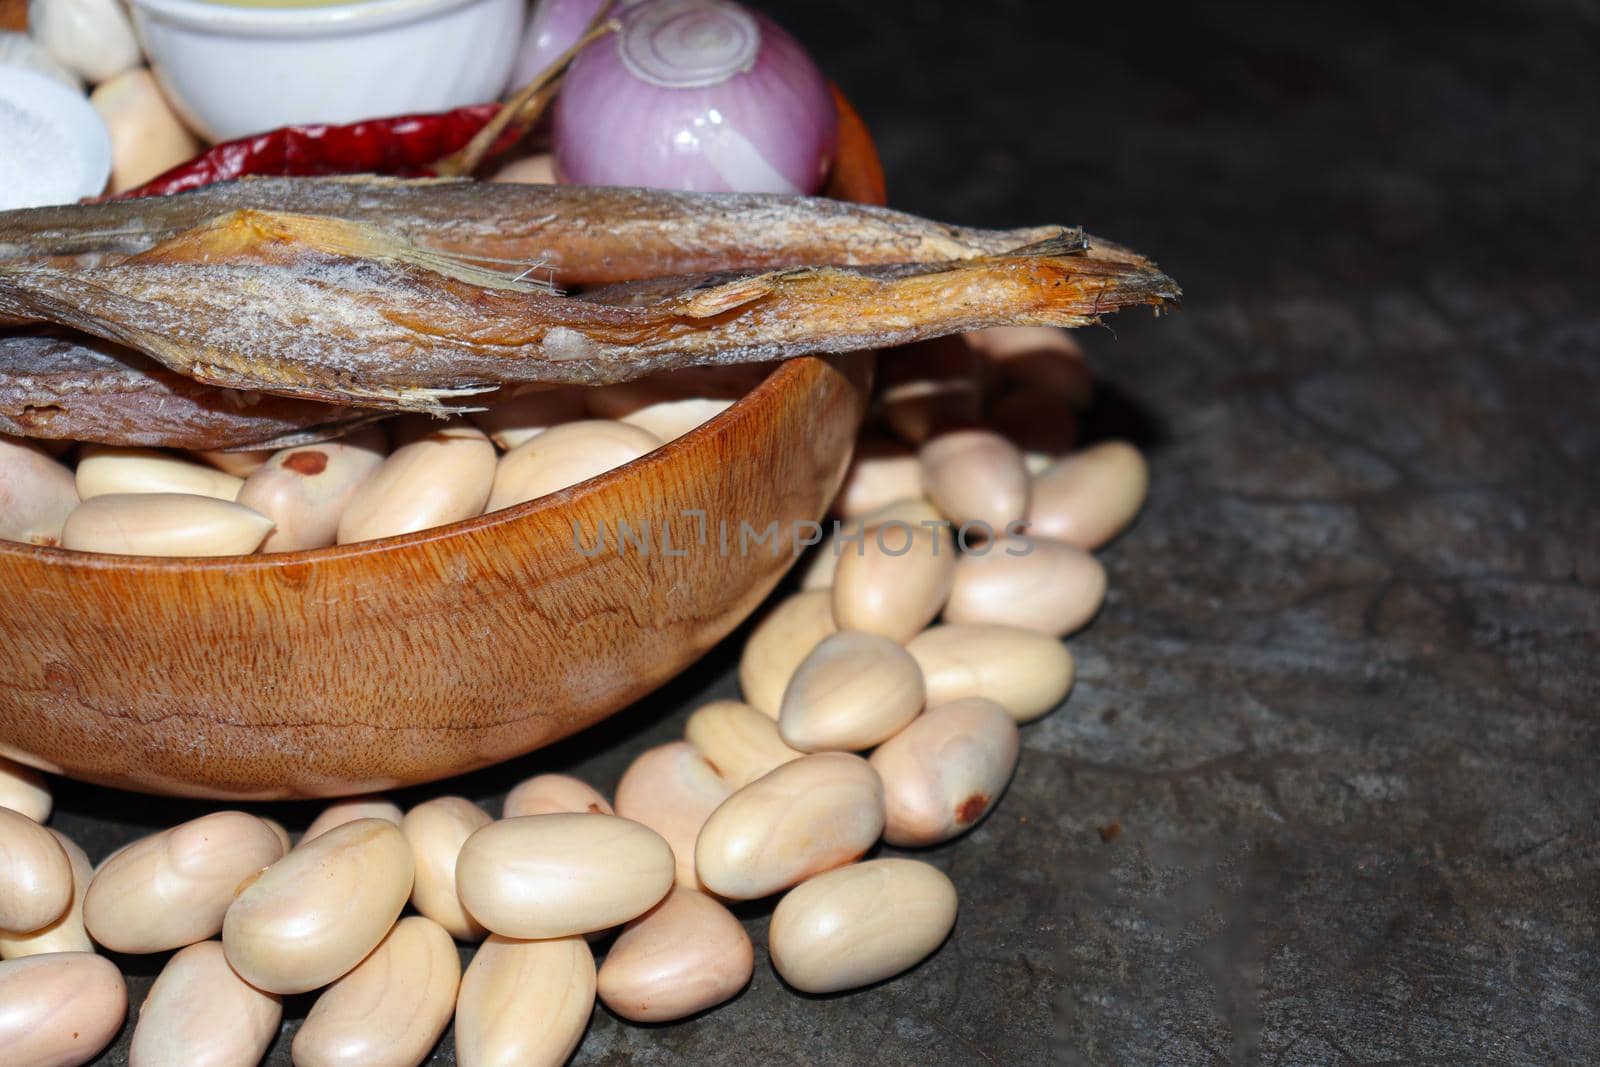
(380, 664)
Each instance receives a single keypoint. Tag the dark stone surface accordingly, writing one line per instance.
(1342, 699)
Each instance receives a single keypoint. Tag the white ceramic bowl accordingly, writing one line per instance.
(233, 71)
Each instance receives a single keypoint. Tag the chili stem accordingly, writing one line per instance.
(529, 102)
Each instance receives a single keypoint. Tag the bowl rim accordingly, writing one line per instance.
(341, 18)
(859, 178)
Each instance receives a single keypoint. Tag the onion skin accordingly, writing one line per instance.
(767, 126)
(554, 26)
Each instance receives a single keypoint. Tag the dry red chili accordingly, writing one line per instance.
(405, 146)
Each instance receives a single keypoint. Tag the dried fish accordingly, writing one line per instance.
(345, 312)
(568, 234)
(63, 386)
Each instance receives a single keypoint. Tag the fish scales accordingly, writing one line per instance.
(58, 385)
(328, 309)
(582, 235)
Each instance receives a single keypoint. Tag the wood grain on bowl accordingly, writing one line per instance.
(380, 664)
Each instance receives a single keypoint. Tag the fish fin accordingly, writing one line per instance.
(275, 237)
(1072, 242)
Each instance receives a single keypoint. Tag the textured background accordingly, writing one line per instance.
(1342, 699)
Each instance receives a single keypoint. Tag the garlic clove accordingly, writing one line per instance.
(36, 494)
(21, 50)
(91, 38)
(147, 138)
(164, 524)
